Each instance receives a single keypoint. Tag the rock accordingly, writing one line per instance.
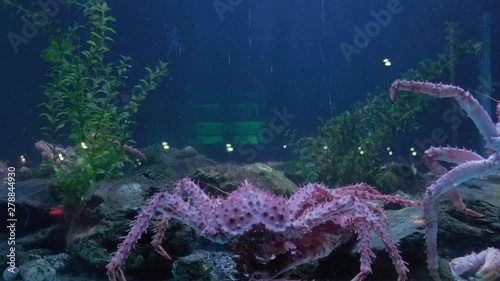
(460, 234)
(35, 227)
(33, 202)
(37, 270)
(194, 267)
(204, 266)
(120, 196)
(59, 262)
(183, 162)
(24, 173)
(28, 244)
(227, 178)
(10, 273)
(187, 152)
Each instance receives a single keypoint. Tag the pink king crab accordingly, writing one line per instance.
(469, 164)
(488, 260)
(271, 233)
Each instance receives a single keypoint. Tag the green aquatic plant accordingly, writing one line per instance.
(457, 49)
(87, 101)
(347, 146)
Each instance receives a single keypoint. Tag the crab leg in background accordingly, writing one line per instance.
(470, 164)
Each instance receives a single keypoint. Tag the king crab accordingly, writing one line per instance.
(488, 260)
(469, 164)
(272, 234)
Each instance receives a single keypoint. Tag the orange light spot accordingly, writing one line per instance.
(419, 221)
(57, 210)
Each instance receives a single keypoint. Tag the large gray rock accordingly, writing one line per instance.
(181, 162)
(37, 270)
(227, 178)
(460, 234)
(33, 202)
(205, 266)
(35, 227)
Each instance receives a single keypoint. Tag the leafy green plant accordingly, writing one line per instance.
(347, 146)
(433, 70)
(83, 98)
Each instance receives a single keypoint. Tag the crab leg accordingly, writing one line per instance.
(447, 182)
(456, 156)
(365, 251)
(139, 226)
(475, 111)
(393, 251)
(366, 220)
(448, 154)
(171, 207)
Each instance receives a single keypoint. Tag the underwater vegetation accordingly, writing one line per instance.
(347, 146)
(88, 105)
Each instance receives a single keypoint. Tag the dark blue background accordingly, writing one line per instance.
(287, 36)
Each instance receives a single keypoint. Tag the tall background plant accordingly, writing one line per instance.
(347, 146)
(83, 100)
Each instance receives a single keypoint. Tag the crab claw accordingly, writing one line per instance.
(162, 252)
(472, 213)
(393, 90)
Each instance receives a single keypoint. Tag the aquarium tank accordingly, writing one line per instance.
(250, 140)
